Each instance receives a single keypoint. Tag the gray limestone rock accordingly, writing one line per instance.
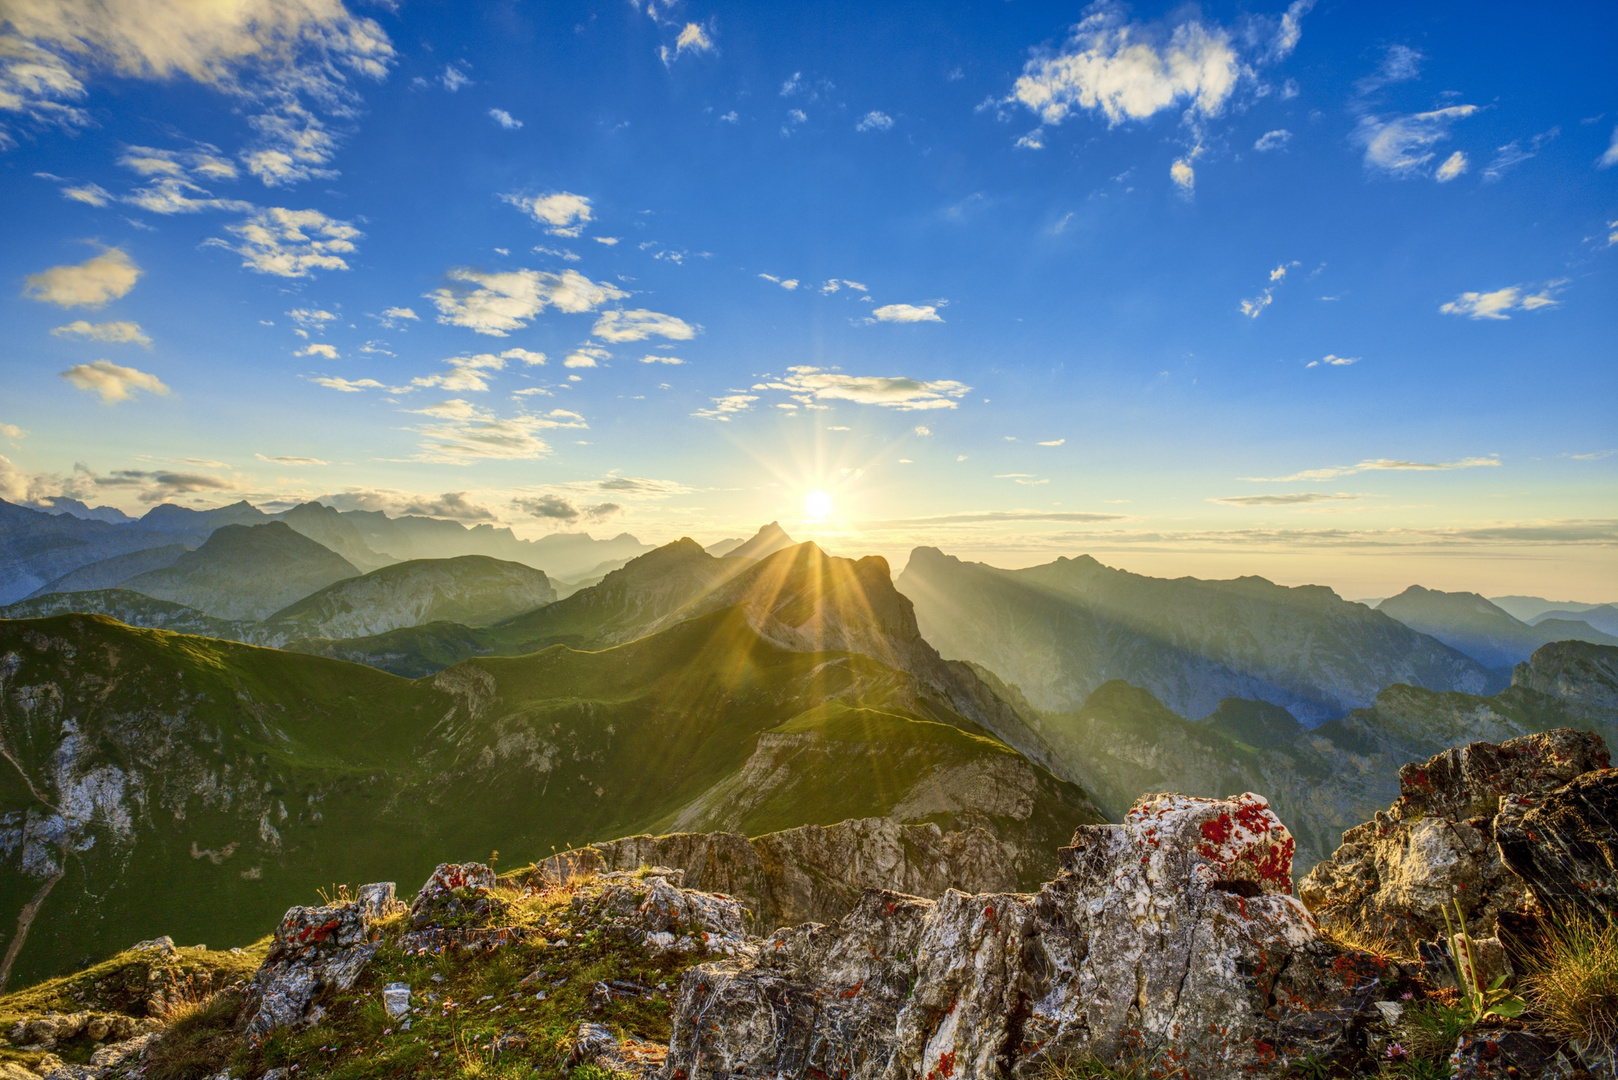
(1174, 933)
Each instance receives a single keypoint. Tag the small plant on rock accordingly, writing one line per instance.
(1479, 1002)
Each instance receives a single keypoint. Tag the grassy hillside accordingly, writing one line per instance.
(196, 787)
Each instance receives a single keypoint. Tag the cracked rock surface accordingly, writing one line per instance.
(1173, 935)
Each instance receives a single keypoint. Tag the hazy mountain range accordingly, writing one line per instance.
(1061, 630)
(1487, 632)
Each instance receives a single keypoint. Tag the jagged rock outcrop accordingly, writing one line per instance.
(1566, 846)
(665, 916)
(1174, 933)
(813, 873)
(316, 949)
(1395, 874)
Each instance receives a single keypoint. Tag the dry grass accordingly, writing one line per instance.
(1361, 937)
(1574, 987)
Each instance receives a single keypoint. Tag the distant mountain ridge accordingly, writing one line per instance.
(40, 547)
(246, 572)
(1483, 630)
(1061, 630)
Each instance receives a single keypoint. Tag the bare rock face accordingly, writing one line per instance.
(316, 949)
(814, 873)
(457, 894)
(1396, 873)
(1565, 846)
(666, 917)
(1174, 933)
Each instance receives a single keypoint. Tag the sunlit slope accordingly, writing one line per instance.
(197, 787)
(133, 608)
(1060, 630)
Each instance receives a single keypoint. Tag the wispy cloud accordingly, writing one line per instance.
(1333, 360)
(1402, 146)
(117, 333)
(505, 119)
(1301, 498)
(977, 517)
(874, 121)
(460, 433)
(1272, 140)
(1498, 304)
(725, 407)
(113, 382)
(292, 461)
(1453, 166)
(1380, 465)
(809, 385)
(290, 243)
(638, 324)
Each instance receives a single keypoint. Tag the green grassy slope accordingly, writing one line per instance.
(196, 787)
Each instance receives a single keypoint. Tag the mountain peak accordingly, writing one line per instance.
(767, 541)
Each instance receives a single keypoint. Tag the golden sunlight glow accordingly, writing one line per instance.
(817, 506)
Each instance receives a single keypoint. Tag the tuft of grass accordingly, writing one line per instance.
(1359, 936)
(199, 1041)
(1428, 1032)
(1134, 1066)
(1574, 987)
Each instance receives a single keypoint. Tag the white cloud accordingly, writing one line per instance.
(460, 433)
(1401, 63)
(1402, 145)
(1379, 465)
(923, 430)
(311, 318)
(586, 356)
(1299, 498)
(293, 144)
(787, 283)
(291, 243)
(1453, 166)
(393, 316)
(905, 313)
(117, 333)
(1513, 153)
(348, 386)
(293, 461)
(318, 349)
(466, 373)
(1183, 175)
(810, 384)
(91, 283)
(1115, 68)
(1053, 442)
(532, 359)
(638, 324)
(254, 49)
(1034, 140)
(1496, 304)
(561, 212)
(874, 121)
(93, 194)
(1333, 360)
(609, 241)
(1272, 140)
(694, 38)
(454, 77)
(112, 381)
(505, 119)
(501, 302)
(1610, 157)
(651, 358)
(725, 407)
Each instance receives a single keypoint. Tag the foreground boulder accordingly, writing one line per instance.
(813, 873)
(1394, 875)
(1566, 846)
(316, 950)
(1172, 938)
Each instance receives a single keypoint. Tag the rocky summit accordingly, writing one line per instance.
(1171, 944)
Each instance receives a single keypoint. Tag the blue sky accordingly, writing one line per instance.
(1324, 292)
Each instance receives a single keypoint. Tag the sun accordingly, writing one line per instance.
(817, 505)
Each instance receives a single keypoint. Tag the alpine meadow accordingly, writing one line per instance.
(697, 540)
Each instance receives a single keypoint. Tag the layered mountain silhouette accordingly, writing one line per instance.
(1061, 630)
(246, 572)
(271, 773)
(1483, 630)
